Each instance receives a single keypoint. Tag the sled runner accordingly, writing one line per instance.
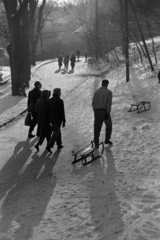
(88, 153)
(140, 106)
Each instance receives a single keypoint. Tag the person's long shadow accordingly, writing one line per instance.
(27, 200)
(105, 209)
(71, 71)
(10, 172)
(64, 71)
(57, 71)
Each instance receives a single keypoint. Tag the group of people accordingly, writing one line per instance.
(72, 59)
(48, 112)
(66, 60)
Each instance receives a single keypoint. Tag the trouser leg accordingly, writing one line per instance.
(108, 124)
(33, 122)
(56, 130)
(59, 139)
(41, 140)
(98, 121)
(48, 137)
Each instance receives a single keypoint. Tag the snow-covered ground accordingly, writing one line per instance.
(116, 197)
(11, 106)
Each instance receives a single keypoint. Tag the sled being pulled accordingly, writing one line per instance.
(88, 153)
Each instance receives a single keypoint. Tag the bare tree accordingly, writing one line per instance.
(4, 33)
(39, 14)
(14, 11)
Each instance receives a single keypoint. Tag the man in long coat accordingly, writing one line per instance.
(43, 128)
(73, 60)
(33, 96)
(57, 119)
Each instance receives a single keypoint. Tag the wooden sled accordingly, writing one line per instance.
(140, 107)
(86, 154)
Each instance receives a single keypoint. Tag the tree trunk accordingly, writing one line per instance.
(33, 6)
(127, 41)
(143, 39)
(34, 37)
(33, 53)
(16, 62)
(14, 11)
(122, 26)
(25, 49)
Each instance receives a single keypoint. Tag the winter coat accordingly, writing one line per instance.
(78, 52)
(43, 128)
(56, 110)
(73, 59)
(66, 60)
(33, 96)
(158, 76)
(60, 60)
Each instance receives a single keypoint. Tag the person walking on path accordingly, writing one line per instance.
(73, 60)
(158, 76)
(78, 54)
(86, 56)
(66, 61)
(101, 103)
(33, 96)
(43, 128)
(60, 61)
(57, 118)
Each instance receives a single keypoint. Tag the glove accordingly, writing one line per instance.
(63, 124)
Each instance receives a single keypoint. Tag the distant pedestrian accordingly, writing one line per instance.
(57, 119)
(43, 128)
(86, 56)
(60, 61)
(101, 103)
(33, 96)
(1, 79)
(73, 60)
(66, 61)
(78, 54)
(159, 76)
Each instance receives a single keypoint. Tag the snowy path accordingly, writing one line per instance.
(117, 197)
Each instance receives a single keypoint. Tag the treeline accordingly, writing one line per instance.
(34, 26)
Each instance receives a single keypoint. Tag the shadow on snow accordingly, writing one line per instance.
(105, 208)
(26, 189)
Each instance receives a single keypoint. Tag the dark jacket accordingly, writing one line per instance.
(73, 59)
(66, 59)
(33, 96)
(60, 60)
(56, 110)
(43, 128)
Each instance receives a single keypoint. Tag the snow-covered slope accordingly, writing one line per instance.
(116, 197)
